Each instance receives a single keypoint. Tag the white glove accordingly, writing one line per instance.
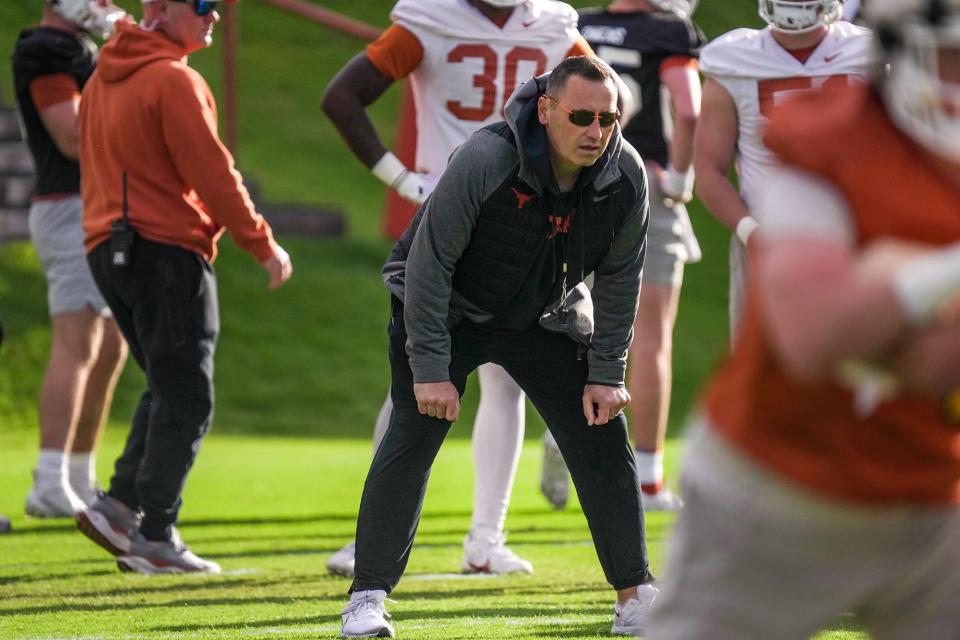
(745, 228)
(676, 186)
(408, 184)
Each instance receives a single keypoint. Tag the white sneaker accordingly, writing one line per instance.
(55, 500)
(631, 618)
(365, 616)
(663, 500)
(492, 555)
(341, 563)
(554, 476)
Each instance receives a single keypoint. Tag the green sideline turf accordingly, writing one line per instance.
(271, 510)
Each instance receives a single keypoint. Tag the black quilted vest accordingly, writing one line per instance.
(516, 223)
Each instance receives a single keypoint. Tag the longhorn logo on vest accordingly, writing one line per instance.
(561, 224)
(522, 198)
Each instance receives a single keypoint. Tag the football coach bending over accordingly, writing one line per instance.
(148, 129)
(525, 209)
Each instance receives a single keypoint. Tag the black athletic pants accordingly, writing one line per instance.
(545, 366)
(165, 303)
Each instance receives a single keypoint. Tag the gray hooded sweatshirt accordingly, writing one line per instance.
(422, 265)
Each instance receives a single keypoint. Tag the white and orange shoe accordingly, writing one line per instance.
(492, 555)
(109, 523)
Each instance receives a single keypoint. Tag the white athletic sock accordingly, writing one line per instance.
(383, 421)
(51, 468)
(82, 471)
(650, 469)
(497, 441)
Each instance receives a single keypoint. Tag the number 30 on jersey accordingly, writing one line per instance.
(487, 80)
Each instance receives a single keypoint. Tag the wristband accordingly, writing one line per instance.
(745, 228)
(390, 170)
(924, 283)
(679, 182)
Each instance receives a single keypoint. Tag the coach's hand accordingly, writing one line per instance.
(601, 404)
(438, 400)
(278, 266)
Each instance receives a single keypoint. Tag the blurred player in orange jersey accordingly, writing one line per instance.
(804, 45)
(464, 58)
(825, 476)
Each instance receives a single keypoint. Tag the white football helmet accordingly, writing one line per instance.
(800, 16)
(683, 8)
(504, 3)
(919, 72)
(88, 15)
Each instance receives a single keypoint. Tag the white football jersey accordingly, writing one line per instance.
(471, 66)
(759, 73)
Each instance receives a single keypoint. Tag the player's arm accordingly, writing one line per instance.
(57, 99)
(679, 75)
(714, 151)
(826, 302)
(358, 85)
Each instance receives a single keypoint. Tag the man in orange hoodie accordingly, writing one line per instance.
(158, 189)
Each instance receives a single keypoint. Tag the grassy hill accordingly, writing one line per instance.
(309, 359)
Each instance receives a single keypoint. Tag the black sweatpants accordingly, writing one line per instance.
(545, 366)
(165, 304)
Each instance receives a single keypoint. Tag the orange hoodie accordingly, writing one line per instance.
(144, 111)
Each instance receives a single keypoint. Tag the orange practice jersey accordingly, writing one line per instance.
(908, 449)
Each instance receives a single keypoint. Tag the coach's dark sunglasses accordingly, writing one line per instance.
(201, 7)
(584, 118)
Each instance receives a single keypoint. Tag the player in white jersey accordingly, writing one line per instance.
(804, 46)
(464, 58)
(851, 10)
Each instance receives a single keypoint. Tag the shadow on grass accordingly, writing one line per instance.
(527, 620)
(306, 518)
(656, 525)
(179, 587)
(43, 576)
(253, 624)
(63, 607)
(275, 553)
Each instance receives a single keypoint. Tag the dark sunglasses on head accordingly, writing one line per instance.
(201, 7)
(584, 118)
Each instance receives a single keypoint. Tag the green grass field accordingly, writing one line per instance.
(271, 510)
(301, 373)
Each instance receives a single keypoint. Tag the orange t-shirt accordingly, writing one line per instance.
(908, 449)
(50, 90)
